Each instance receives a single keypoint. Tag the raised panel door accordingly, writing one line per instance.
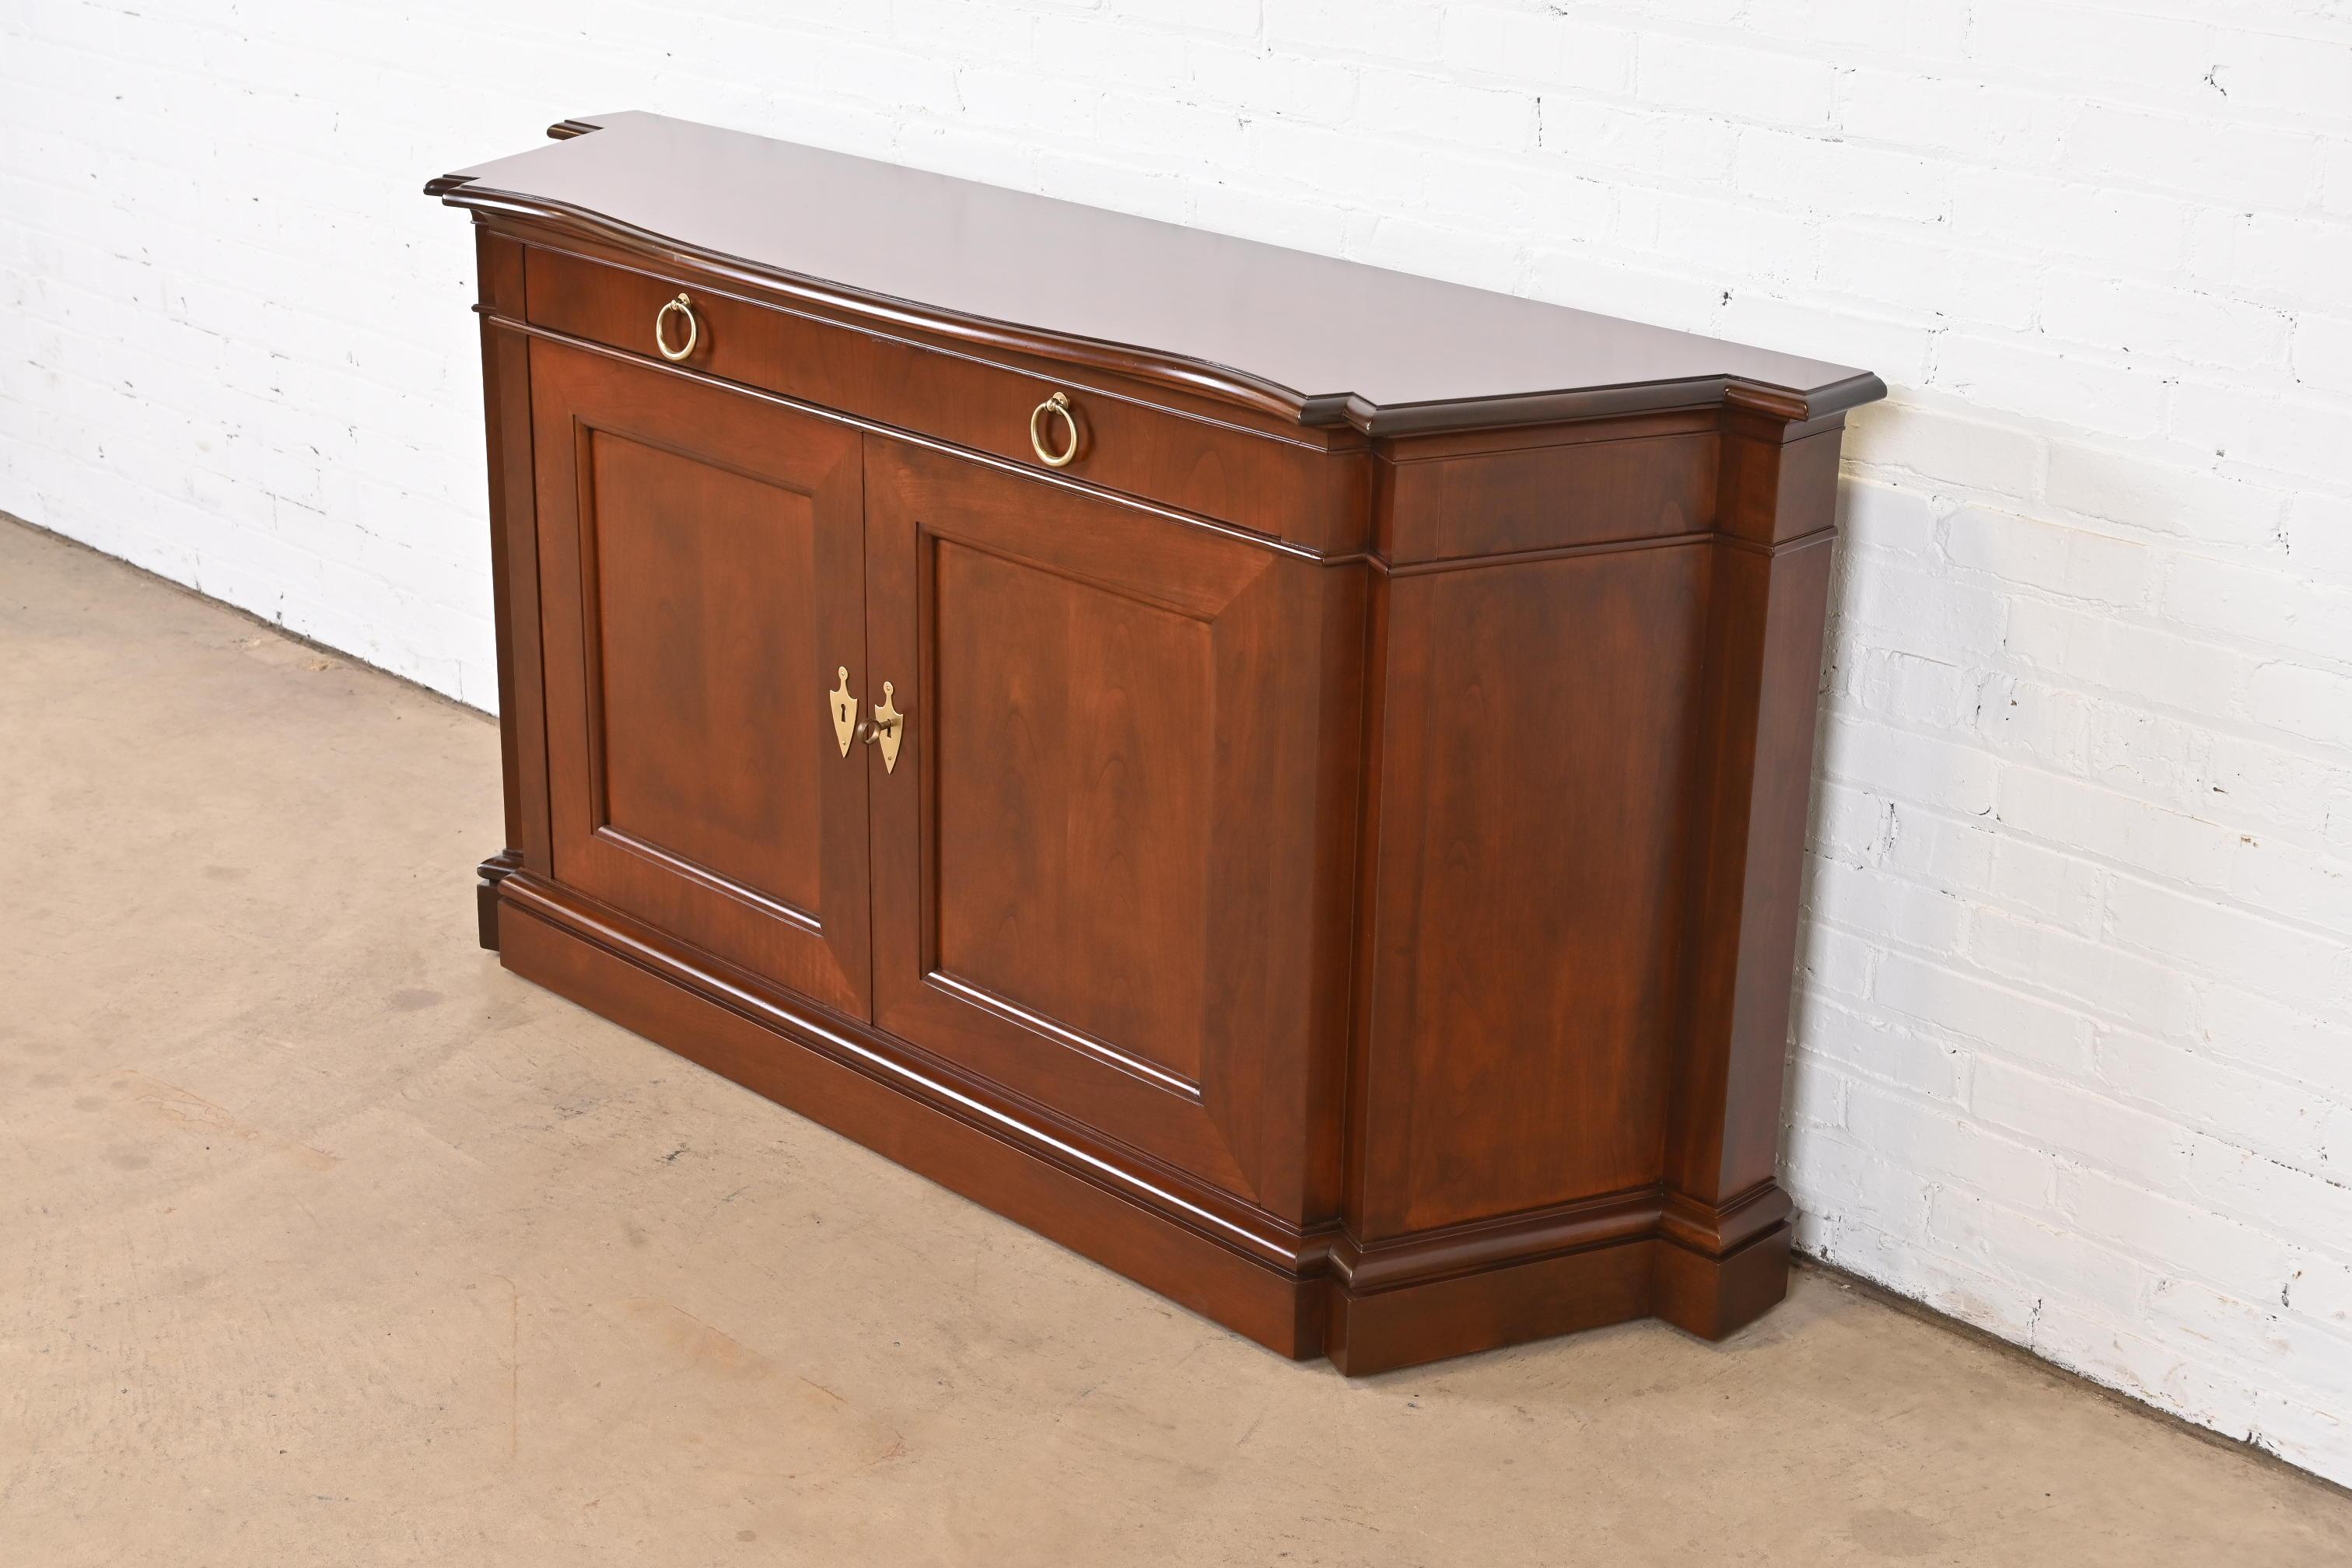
(702, 565)
(1110, 865)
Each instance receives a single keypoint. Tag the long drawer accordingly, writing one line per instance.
(1288, 490)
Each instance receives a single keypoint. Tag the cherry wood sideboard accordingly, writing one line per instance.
(1286, 777)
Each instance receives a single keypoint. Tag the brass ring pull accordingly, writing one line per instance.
(1057, 404)
(693, 328)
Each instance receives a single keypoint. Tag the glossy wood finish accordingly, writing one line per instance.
(514, 579)
(1755, 729)
(875, 1090)
(1523, 947)
(1318, 340)
(1499, 493)
(702, 558)
(1340, 867)
(1098, 874)
(1290, 488)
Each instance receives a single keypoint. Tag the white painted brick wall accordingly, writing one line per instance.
(2074, 1041)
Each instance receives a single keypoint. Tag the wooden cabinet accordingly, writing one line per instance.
(1286, 778)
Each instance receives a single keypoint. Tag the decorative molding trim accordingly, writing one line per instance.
(1193, 520)
(914, 1073)
(1634, 1228)
(1716, 1231)
(1219, 383)
(491, 872)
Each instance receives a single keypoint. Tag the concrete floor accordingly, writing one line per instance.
(323, 1240)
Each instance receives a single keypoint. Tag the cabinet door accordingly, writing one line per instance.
(703, 580)
(1111, 866)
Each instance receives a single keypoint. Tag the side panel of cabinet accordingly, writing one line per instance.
(702, 563)
(1525, 865)
(1112, 865)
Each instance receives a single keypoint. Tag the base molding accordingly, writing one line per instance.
(1301, 1293)
(1534, 1299)
(490, 874)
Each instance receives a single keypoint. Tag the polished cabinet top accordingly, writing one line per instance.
(1314, 338)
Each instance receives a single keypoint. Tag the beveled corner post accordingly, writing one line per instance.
(514, 576)
(1725, 1231)
(1595, 655)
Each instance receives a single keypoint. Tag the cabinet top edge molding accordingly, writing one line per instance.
(1317, 338)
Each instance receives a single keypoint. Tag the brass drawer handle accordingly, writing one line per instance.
(685, 307)
(1057, 404)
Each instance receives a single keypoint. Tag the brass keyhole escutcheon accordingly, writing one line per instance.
(889, 727)
(844, 712)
